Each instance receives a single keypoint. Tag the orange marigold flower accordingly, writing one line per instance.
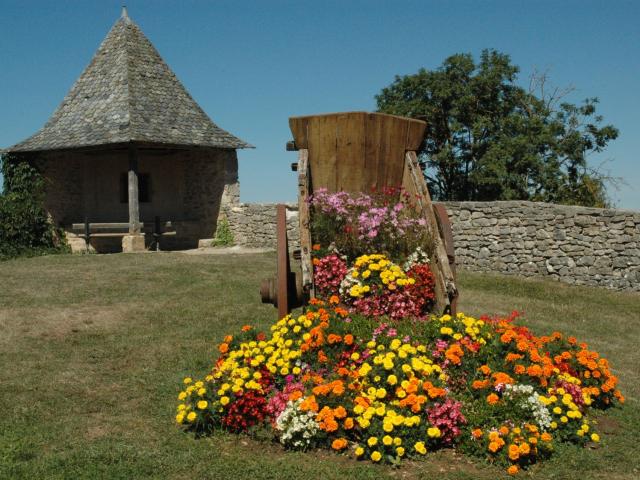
(534, 371)
(338, 387)
(476, 433)
(339, 444)
(512, 357)
(503, 430)
(333, 338)
(316, 247)
(494, 447)
(524, 449)
(340, 412)
(334, 299)
(348, 423)
(309, 404)
(348, 339)
(293, 396)
(341, 311)
(485, 369)
(316, 261)
(545, 437)
(514, 452)
(502, 378)
(519, 369)
(492, 399)
(480, 384)
(223, 348)
(246, 328)
(512, 470)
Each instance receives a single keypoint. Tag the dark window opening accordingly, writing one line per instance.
(144, 188)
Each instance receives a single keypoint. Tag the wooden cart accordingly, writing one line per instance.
(355, 152)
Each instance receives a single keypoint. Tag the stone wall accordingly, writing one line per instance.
(254, 224)
(187, 188)
(576, 245)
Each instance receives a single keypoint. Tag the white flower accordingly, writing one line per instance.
(417, 257)
(297, 428)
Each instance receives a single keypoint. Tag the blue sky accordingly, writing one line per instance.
(252, 64)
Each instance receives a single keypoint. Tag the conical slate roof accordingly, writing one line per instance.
(128, 94)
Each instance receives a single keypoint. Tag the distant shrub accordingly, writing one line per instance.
(224, 235)
(25, 227)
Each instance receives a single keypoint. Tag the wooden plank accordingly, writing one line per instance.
(415, 135)
(392, 166)
(304, 217)
(373, 139)
(350, 152)
(355, 151)
(298, 127)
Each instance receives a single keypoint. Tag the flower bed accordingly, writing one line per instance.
(368, 371)
(334, 377)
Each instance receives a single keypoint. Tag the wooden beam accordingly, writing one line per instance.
(134, 206)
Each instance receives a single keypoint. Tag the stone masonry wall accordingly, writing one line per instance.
(254, 224)
(576, 245)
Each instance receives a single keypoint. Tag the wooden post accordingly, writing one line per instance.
(134, 206)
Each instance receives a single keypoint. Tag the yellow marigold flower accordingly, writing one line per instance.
(420, 448)
(387, 440)
(187, 380)
(180, 417)
(397, 441)
(191, 416)
(376, 456)
(363, 422)
(224, 400)
(381, 393)
(359, 451)
(400, 451)
(595, 437)
(202, 391)
(392, 379)
(182, 395)
(372, 441)
(202, 404)
(355, 356)
(433, 432)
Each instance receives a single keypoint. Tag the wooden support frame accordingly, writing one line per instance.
(414, 183)
(304, 216)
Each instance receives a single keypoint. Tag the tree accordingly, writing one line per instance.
(489, 139)
(25, 227)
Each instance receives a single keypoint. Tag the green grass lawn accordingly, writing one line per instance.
(93, 349)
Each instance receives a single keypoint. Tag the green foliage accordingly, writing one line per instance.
(25, 228)
(490, 139)
(224, 235)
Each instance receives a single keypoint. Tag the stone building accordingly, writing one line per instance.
(129, 149)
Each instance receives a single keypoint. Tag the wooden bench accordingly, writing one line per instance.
(89, 230)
